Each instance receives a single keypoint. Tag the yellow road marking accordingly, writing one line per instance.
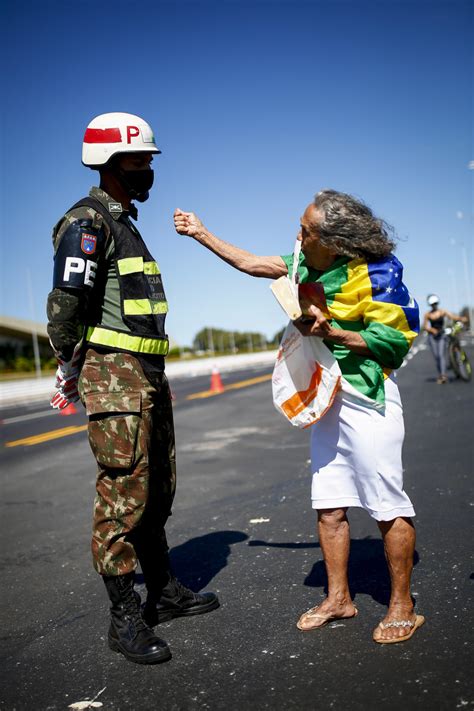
(233, 386)
(66, 431)
(55, 434)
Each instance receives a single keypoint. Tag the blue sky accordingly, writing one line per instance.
(256, 106)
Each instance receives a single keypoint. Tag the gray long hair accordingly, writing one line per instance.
(350, 228)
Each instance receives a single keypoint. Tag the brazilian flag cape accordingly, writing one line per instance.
(368, 297)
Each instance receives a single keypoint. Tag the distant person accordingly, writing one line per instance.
(356, 447)
(434, 323)
(106, 317)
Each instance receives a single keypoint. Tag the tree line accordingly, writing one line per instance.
(219, 340)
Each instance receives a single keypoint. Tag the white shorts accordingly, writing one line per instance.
(356, 457)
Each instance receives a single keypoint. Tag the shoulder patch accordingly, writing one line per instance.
(88, 243)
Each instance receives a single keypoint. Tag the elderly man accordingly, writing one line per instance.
(356, 447)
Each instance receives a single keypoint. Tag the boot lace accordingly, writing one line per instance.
(131, 602)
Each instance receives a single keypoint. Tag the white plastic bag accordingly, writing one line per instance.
(306, 378)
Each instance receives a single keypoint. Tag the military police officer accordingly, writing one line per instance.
(106, 322)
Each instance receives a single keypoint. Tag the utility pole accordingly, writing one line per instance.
(34, 335)
(210, 341)
(454, 289)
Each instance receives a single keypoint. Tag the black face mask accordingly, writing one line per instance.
(137, 183)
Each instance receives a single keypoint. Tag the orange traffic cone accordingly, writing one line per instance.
(216, 381)
(69, 410)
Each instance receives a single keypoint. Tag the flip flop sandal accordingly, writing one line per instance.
(411, 625)
(313, 615)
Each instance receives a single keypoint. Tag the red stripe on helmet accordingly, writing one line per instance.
(102, 135)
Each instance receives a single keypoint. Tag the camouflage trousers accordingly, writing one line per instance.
(131, 435)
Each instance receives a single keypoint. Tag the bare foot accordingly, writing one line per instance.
(398, 625)
(326, 612)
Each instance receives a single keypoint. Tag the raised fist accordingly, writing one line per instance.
(187, 223)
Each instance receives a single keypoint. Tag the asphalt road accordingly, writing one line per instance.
(242, 526)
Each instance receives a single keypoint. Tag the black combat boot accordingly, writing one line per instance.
(128, 632)
(176, 600)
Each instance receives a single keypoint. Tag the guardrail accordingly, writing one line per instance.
(37, 389)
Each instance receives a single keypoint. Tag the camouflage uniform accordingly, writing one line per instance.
(130, 429)
(131, 435)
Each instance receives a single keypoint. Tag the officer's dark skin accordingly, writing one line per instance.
(110, 183)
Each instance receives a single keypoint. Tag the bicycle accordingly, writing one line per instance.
(457, 355)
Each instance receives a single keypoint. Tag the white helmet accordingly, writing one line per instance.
(110, 134)
(432, 299)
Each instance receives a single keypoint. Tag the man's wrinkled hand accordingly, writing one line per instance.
(187, 223)
(314, 324)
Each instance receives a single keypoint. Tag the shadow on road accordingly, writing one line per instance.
(199, 560)
(368, 573)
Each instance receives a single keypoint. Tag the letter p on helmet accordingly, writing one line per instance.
(132, 132)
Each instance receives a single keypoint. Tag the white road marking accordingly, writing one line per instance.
(31, 416)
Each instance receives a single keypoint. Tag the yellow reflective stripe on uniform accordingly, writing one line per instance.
(159, 307)
(127, 342)
(130, 265)
(140, 307)
(151, 268)
(134, 265)
(136, 307)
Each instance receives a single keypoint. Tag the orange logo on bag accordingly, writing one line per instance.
(303, 398)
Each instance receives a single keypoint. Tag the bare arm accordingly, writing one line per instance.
(427, 327)
(321, 327)
(455, 317)
(187, 223)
